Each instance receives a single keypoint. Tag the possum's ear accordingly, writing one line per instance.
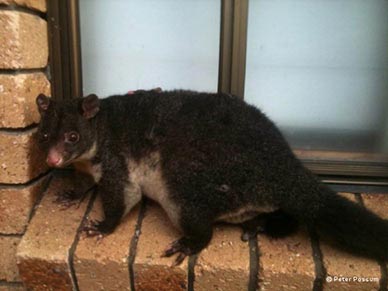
(90, 106)
(43, 103)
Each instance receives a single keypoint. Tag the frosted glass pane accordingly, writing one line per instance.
(320, 70)
(130, 44)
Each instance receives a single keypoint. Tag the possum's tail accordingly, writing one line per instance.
(353, 227)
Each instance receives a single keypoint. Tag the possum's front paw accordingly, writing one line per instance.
(180, 247)
(69, 198)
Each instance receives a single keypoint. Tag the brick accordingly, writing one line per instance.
(43, 253)
(17, 98)
(12, 287)
(20, 157)
(39, 5)
(103, 265)
(8, 267)
(287, 263)
(151, 272)
(16, 204)
(341, 265)
(378, 203)
(224, 264)
(24, 42)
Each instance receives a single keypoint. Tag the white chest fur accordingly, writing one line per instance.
(147, 173)
(83, 164)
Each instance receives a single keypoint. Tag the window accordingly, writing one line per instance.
(144, 44)
(319, 69)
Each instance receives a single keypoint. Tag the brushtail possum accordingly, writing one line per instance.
(204, 158)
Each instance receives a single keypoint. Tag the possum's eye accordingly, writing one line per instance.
(71, 137)
(44, 137)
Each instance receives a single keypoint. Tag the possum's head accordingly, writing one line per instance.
(66, 130)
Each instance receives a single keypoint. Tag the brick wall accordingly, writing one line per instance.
(23, 62)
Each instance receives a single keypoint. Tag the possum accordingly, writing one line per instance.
(205, 158)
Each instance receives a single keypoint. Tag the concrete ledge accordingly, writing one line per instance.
(52, 255)
(103, 265)
(287, 263)
(43, 255)
(344, 269)
(12, 286)
(378, 203)
(224, 264)
(151, 272)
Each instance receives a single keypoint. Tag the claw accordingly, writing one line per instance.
(177, 247)
(67, 205)
(179, 259)
(172, 249)
(91, 229)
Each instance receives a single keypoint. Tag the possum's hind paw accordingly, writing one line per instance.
(178, 247)
(92, 228)
(195, 240)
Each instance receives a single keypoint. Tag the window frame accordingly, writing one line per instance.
(341, 170)
(65, 64)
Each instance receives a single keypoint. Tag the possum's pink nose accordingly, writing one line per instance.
(54, 158)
